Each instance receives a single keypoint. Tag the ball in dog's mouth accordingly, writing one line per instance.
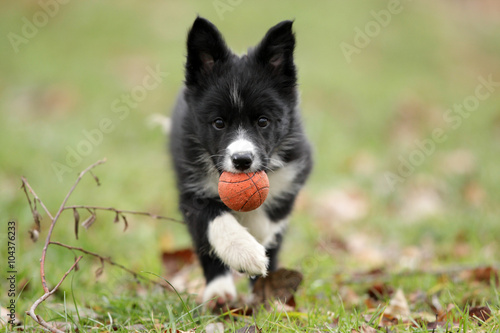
(243, 192)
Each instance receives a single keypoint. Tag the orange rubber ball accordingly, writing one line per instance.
(243, 192)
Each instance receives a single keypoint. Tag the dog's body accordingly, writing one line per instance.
(238, 114)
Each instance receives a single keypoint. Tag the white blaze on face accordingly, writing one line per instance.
(236, 100)
(239, 146)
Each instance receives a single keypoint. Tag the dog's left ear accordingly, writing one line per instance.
(205, 49)
(275, 51)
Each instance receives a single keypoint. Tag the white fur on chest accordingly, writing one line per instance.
(260, 226)
(281, 182)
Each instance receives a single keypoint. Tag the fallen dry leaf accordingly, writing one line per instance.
(482, 274)
(279, 285)
(366, 249)
(440, 324)
(249, 329)
(481, 313)
(388, 320)
(214, 328)
(380, 291)
(363, 163)
(133, 328)
(398, 306)
(421, 201)
(349, 296)
(474, 194)
(5, 317)
(342, 205)
(459, 162)
(367, 329)
(174, 261)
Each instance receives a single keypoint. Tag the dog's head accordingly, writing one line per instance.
(242, 107)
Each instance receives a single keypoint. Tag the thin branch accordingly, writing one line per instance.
(120, 211)
(109, 261)
(31, 311)
(54, 220)
(25, 186)
(47, 293)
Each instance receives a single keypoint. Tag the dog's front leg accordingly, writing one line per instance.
(236, 247)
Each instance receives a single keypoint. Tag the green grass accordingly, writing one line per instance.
(361, 117)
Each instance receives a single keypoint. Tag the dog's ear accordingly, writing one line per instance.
(275, 52)
(205, 48)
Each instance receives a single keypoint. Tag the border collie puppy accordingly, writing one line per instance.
(237, 114)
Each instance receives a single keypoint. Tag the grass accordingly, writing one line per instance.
(361, 117)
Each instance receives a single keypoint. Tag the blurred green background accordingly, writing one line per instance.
(365, 114)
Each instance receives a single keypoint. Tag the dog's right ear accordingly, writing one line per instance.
(205, 50)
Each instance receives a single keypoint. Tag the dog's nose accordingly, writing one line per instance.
(242, 161)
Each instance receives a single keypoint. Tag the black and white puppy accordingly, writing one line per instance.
(238, 114)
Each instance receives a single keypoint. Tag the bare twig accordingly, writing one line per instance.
(122, 211)
(47, 292)
(54, 220)
(109, 261)
(31, 311)
(25, 186)
(92, 209)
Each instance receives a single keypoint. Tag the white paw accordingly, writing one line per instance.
(236, 247)
(220, 290)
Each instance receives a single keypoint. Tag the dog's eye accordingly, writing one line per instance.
(219, 123)
(263, 122)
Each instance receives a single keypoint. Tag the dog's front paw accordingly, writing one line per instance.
(219, 291)
(248, 256)
(234, 245)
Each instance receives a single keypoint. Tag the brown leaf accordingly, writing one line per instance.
(176, 260)
(388, 320)
(474, 194)
(125, 222)
(36, 217)
(89, 221)
(77, 221)
(99, 271)
(249, 329)
(485, 274)
(280, 285)
(117, 218)
(398, 305)
(438, 324)
(367, 329)
(380, 291)
(240, 311)
(349, 296)
(483, 313)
